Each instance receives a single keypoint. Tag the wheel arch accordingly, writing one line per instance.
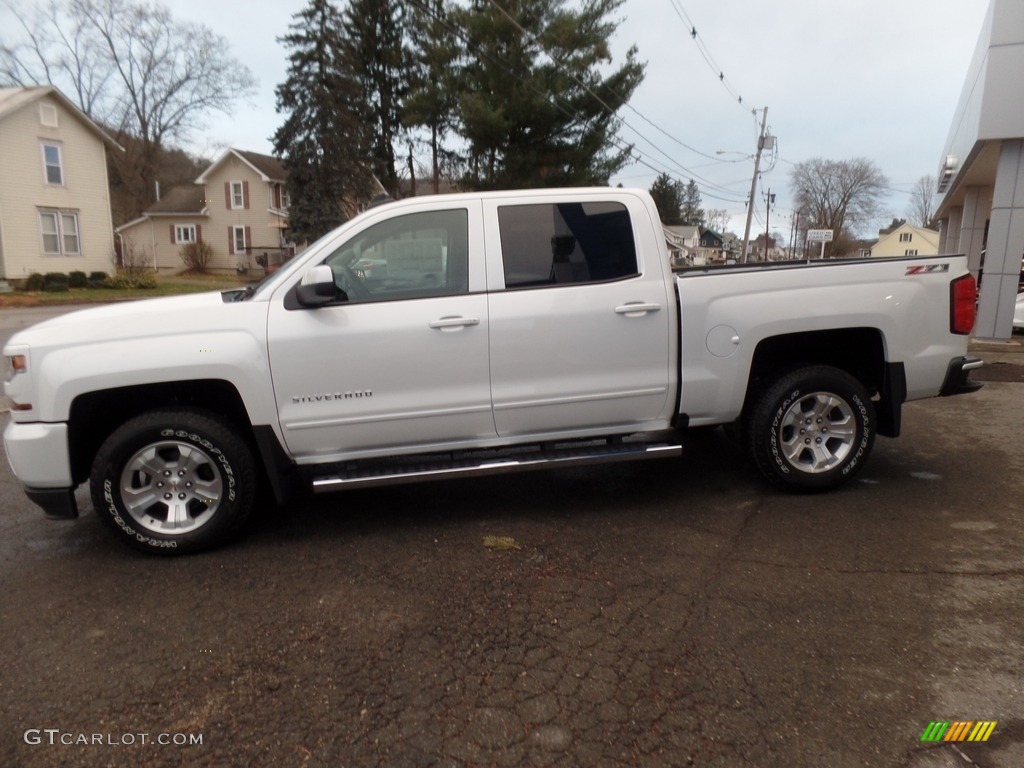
(860, 352)
(95, 415)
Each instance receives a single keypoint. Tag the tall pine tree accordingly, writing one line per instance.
(433, 101)
(535, 106)
(691, 214)
(668, 197)
(322, 142)
(377, 59)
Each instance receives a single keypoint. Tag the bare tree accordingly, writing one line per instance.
(841, 195)
(920, 211)
(131, 67)
(717, 219)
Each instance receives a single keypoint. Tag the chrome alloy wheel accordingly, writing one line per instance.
(171, 487)
(817, 432)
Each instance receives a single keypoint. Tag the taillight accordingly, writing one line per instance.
(963, 294)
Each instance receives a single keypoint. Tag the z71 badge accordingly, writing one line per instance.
(921, 269)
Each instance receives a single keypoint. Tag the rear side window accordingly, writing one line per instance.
(565, 243)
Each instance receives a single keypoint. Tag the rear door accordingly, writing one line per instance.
(579, 316)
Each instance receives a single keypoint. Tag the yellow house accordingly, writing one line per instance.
(906, 240)
(54, 192)
(239, 206)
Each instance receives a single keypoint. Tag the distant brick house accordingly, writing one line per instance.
(54, 193)
(239, 206)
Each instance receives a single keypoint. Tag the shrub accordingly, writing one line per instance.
(123, 281)
(33, 282)
(196, 256)
(77, 279)
(96, 279)
(55, 282)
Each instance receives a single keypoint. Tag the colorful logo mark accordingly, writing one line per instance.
(959, 730)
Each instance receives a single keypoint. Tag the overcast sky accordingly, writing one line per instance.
(862, 78)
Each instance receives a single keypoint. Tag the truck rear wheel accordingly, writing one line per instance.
(173, 481)
(812, 430)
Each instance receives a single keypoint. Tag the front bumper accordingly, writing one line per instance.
(38, 455)
(958, 380)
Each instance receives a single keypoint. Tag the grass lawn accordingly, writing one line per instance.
(166, 286)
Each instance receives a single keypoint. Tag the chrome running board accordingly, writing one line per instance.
(417, 469)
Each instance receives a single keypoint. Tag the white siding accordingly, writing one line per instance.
(23, 192)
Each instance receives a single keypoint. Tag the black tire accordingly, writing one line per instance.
(812, 430)
(173, 482)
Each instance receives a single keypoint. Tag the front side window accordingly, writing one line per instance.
(185, 234)
(906, 237)
(910, 252)
(59, 230)
(237, 194)
(53, 170)
(412, 256)
(564, 243)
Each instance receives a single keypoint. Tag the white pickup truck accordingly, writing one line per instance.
(466, 334)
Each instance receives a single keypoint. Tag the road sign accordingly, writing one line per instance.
(819, 235)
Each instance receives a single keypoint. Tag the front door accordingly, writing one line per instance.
(399, 363)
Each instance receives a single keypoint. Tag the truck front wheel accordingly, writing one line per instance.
(812, 430)
(173, 481)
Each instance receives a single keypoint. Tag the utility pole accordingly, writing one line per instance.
(794, 232)
(769, 200)
(753, 186)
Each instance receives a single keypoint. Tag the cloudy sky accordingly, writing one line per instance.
(861, 78)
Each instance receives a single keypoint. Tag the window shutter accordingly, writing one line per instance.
(231, 241)
(173, 241)
(227, 193)
(248, 239)
(245, 195)
(199, 233)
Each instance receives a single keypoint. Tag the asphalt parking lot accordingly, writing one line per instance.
(677, 612)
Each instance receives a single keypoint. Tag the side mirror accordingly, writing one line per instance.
(317, 287)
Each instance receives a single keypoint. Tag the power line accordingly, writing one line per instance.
(677, 6)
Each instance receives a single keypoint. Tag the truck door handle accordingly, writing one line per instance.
(454, 322)
(636, 309)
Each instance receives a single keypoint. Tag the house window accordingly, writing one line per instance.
(237, 194)
(906, 237)
(910, 252)
(185, 233)
(281, 199)
(60, 232)
(239, 239)
(53, 170)
(48, 115)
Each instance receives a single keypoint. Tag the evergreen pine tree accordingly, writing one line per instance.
(322, 141)
(668, 197)
(377, 59)
(692, 214)
(432, 101)
(536, 106)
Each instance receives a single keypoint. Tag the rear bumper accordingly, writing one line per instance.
(957, 381)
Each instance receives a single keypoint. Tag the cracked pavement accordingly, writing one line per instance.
(671, 613)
